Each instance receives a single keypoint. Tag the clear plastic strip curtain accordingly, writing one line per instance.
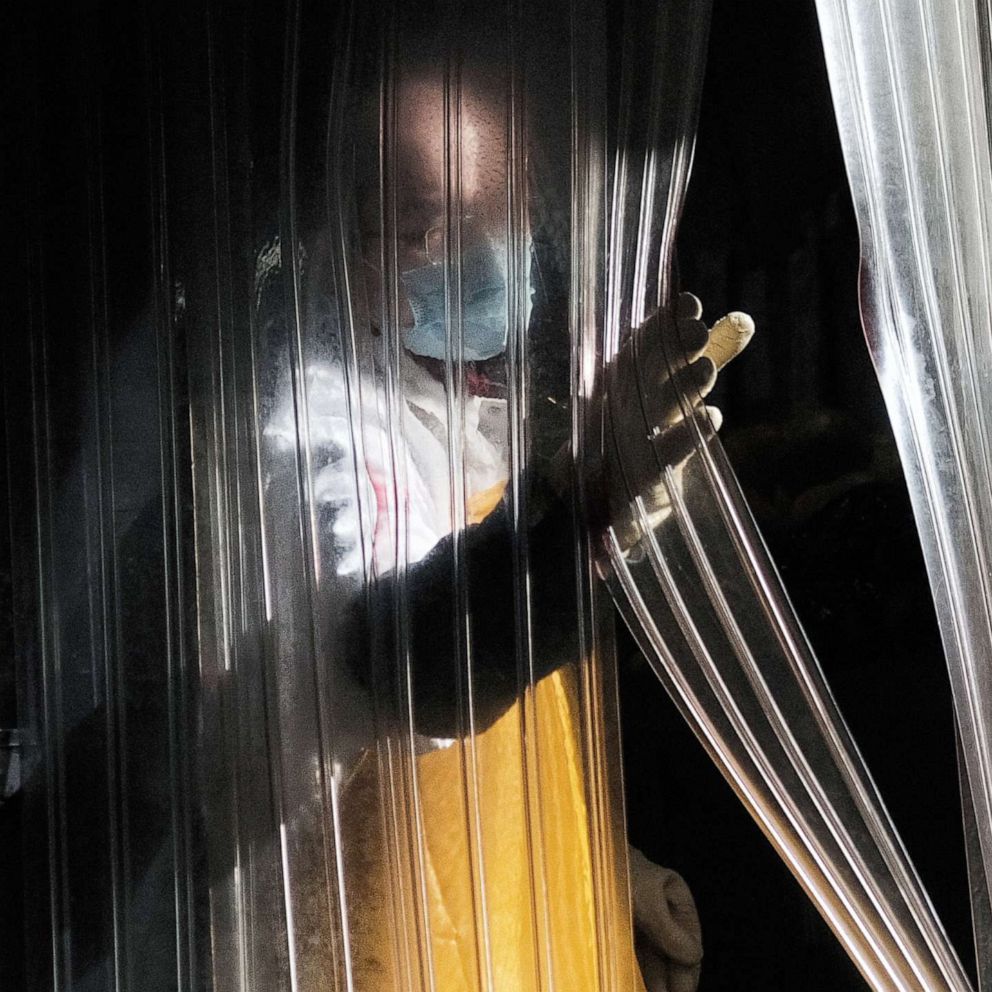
(690, 572)
(310, 313)
(911, 86)
(315, 682)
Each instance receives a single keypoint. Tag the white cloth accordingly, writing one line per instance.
(396, 476)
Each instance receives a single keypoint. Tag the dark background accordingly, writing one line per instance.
(769, 229)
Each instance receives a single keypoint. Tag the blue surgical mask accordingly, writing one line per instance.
(483, 306)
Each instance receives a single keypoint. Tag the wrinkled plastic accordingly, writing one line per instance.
(691, 574)
(315, 682)
(911, 84)
(314, 677)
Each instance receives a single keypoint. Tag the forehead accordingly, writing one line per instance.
(442, 126)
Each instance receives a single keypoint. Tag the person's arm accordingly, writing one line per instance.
(432, 607)
(433, 611)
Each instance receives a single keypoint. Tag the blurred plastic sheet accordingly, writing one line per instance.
(911, 85)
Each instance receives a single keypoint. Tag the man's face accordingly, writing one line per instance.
(445, 164)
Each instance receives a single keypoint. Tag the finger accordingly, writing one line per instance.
(674, 445)
(672, 337)
(683, 978)
(683, 913)
(664, 910)
(654, 967)
(660, 974)
(713, 420)
(664, 340)
(681, 944)
(728, 338)
(688, 385)
(693, 337)
(688, 307)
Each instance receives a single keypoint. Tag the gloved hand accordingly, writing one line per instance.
(668, 939)
(655, 390)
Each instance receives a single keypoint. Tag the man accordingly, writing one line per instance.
(421, 719)
(440, 439)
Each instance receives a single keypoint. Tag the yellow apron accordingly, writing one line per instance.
(522, 916)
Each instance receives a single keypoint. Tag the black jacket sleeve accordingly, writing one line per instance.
(462, 617)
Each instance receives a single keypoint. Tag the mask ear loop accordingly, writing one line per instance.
(427, 239)
(427, 243)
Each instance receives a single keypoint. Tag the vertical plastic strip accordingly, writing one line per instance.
(701, 594)
(405, 798)
(911, 86)
(589, 214)
(455, 413)
(518, 234)
(234, 480)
